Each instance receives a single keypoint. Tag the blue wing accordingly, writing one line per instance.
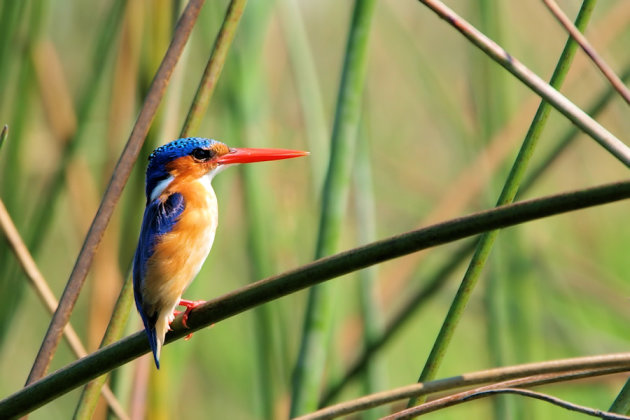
(159, 218)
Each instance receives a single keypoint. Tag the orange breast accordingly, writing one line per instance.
(179, 254)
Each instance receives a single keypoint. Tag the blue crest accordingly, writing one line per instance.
(156, 171)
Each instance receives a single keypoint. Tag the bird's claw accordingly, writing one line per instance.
(190, 305)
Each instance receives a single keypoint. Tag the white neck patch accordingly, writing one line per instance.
(160, 187)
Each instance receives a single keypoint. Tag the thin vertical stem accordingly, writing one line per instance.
(14, 170)
(319, 312)
(371, 313)
(11, 15)
(45, 209)
(307, 85)
(250, 112)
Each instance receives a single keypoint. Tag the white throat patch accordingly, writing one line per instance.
(160, 187)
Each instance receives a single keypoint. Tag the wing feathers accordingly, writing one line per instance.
(160, 216)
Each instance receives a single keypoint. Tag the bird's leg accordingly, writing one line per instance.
(190, 305)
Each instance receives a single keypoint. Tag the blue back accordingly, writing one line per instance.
(159, 218)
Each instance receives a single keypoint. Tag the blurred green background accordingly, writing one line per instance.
(442, 125)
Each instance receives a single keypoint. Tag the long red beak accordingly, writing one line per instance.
(247, 155)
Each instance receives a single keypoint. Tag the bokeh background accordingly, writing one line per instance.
(441, 124)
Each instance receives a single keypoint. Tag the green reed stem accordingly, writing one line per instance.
(45, 208)
(91, 393)
(319, 312)
(11, 15)
(13, 172)
(307, 85)
(507, 195)
(370, 310)
(249, 99)
(213, 67)
(622, 402)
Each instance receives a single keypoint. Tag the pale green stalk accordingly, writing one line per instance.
(375, 373)
(90, 395)
(311, 362)
(491, 94)
(14, 191)
(103, 49)
(308, 86)
(248, 89)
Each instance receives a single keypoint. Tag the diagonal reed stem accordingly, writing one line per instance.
(250, 296)
(46, 295)
(507, 195)
(578, 117)
(509, 387)
(213, 68)
(622, 401)
(115, 329)
(600, 364)
(586, 46)
(114, 189)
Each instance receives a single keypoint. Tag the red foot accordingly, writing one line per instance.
(190, 305)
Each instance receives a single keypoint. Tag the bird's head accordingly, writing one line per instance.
(195, 157)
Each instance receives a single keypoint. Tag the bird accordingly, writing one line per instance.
(179, 225)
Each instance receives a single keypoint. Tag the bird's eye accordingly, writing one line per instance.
(201, 154)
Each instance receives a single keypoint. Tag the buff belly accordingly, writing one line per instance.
(178, 257)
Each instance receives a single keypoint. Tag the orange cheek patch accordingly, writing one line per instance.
(187, 169)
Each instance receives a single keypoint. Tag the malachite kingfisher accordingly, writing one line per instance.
(180, 220)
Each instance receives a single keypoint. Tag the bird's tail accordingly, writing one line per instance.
(154, 341)
(156, 327)
(159, 332)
